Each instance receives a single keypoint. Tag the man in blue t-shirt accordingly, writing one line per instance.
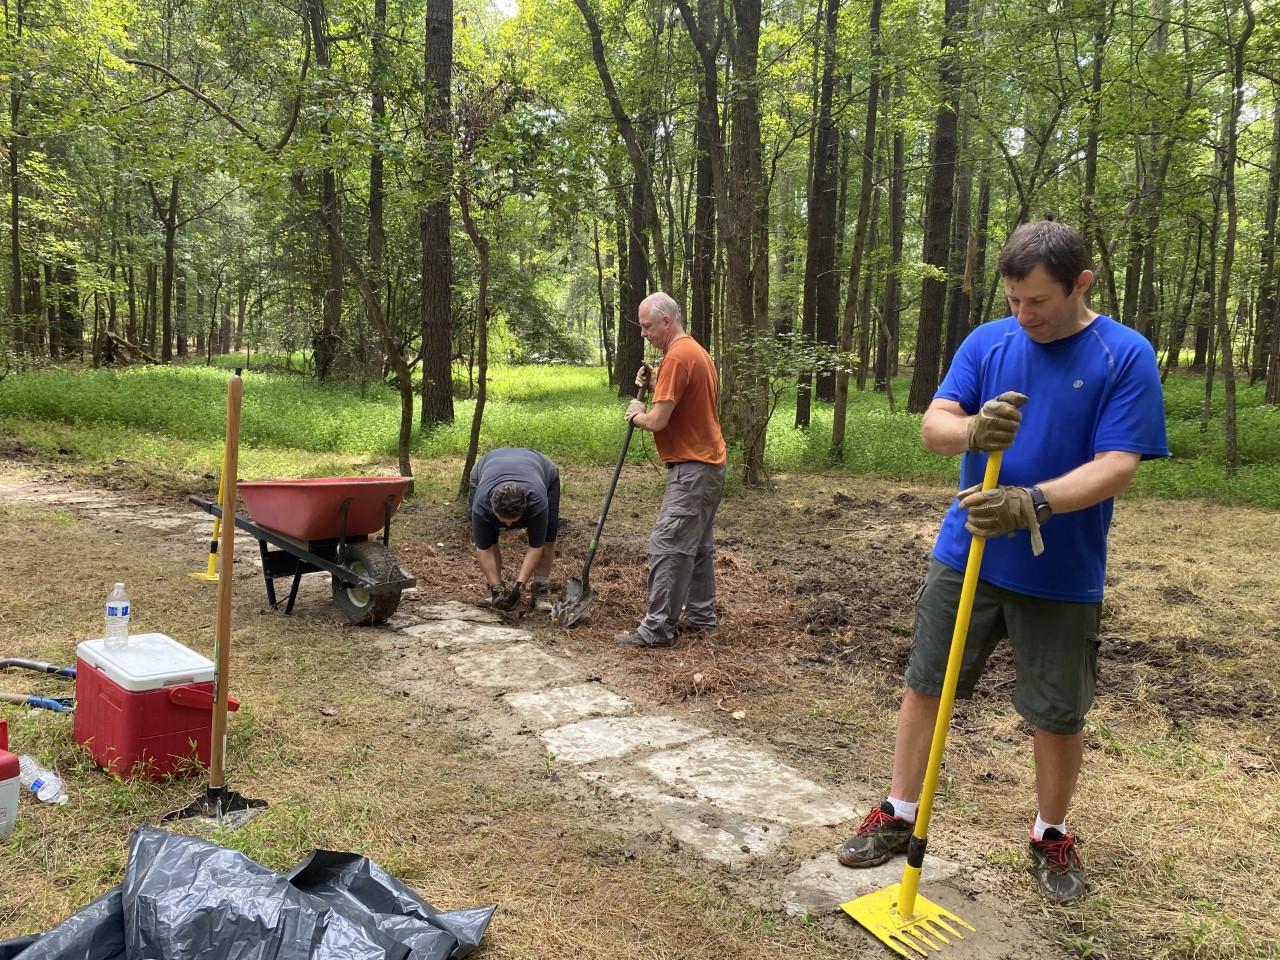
(1082, 394)
(513, 488)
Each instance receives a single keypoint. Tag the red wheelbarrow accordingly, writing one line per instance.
(324, 525)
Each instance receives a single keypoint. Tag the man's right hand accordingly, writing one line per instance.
(994, 426)
(644, 377)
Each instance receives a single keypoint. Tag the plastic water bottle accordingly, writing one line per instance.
(117, 634)
(44, 783)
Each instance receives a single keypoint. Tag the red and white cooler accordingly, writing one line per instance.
(144, 710)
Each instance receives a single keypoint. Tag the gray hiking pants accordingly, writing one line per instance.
(682, 552)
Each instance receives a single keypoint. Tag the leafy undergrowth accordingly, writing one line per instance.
(172, 419)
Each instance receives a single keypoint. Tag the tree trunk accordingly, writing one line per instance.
(960, 270)
(169, 222)
(180, 313)
(978, 274)
(14, 31)
(325, 344)
(377, 192)
(1229, 242)
(1185, 309)
(1090, 228)
(851, 302)
(1264, 355)
(821, 292)
(704, 216)
(637, 153)
(604, 296)
(887, 356)
(482, 337)
(937, 236)
(437, 252)
(634, 290)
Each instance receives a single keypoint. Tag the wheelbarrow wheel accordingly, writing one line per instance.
(357, 604)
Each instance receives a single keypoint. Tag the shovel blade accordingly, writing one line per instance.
(930, 928)
(572, 605)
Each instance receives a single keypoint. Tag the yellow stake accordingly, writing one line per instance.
(211, 573)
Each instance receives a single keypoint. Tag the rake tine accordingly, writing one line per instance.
(922, 932)
(942, 922)
(902, 935)
(931, 926)
(954, 919)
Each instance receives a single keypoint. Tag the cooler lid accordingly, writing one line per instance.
(8, 765)
(149, 661)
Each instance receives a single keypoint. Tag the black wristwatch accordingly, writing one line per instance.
(1043, 510)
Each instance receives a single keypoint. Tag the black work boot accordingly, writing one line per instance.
(1057, 866)
(881, 836)
(495, 595)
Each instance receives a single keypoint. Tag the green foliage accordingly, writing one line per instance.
(173, 419)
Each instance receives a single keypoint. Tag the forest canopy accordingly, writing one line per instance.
(376, 189)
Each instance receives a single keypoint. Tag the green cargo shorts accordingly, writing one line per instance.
(1055, 647)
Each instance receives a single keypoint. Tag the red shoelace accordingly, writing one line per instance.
(874, 820)
(1060, 854)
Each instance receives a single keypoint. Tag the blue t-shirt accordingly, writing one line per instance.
(1091, 392)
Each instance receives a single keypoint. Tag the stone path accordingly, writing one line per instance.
(735, 805)
(722, 797)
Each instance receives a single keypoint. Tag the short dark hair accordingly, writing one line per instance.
(1059, 247)
(508, 500)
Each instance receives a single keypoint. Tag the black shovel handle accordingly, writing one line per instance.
(608, 499)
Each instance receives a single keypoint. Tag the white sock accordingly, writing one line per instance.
(1037, 832)
(904, 810)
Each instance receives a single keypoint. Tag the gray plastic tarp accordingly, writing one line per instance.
(184, 897)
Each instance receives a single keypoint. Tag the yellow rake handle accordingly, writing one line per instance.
(915, 853)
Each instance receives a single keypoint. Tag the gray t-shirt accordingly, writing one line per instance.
(533, 472)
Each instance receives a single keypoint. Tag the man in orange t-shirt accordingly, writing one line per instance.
(686, 431)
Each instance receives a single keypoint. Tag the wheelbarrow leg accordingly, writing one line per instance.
(293, 590)
(386, 520)
(266, 575)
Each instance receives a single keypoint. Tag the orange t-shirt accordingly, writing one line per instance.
(687, 376)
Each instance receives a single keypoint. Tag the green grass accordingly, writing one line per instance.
(173, 418)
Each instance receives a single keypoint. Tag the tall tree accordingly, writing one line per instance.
(937, 229)
(1237, 45)
(821, 282)
(859, 239)
(437, 255)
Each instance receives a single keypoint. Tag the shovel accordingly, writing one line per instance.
(897, 915)
(576, 599)
(219, 804)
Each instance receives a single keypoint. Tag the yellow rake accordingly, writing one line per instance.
(897, 915)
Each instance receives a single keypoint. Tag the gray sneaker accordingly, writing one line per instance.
(881, 837)
(540, 596)
(1058, 868)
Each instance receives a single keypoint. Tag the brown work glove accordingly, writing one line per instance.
(999, 512)
(634, 408)
(644, 377)
(992, 428)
